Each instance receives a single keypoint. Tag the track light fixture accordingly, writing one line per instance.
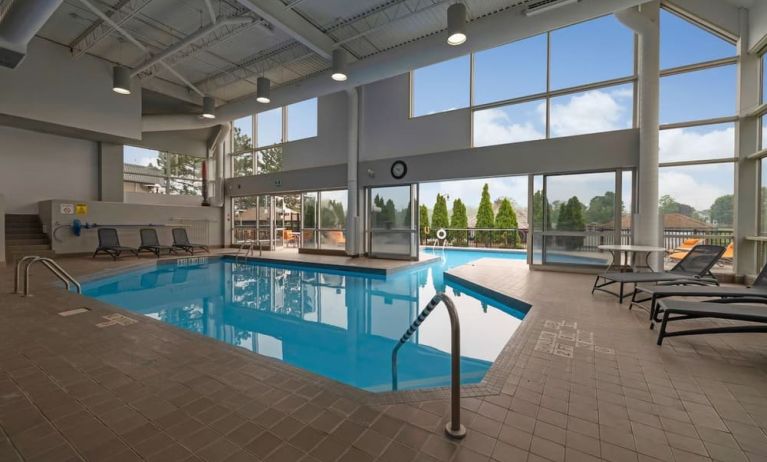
(121, 80)
(339, 65)
(456, 24)
(263, 88)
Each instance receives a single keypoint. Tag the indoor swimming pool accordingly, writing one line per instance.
(336, 323)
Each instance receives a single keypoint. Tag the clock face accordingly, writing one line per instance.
(398, 169)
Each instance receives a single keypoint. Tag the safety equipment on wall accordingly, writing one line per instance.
(77, 227)
(441, 234)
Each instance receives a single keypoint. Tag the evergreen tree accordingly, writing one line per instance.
(506, 219)
(439, 217)
(485, 217)
(423, 222)
(270, 160)
(571, 219)
(601, 209)
(459, 219)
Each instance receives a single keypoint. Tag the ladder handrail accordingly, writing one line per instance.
(453, 428)
(17, 279)
(250, 245)
(52, 266)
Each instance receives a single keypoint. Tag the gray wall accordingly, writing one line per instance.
(2, 230)
(387, 130)
(51, 87)
(111, 172)
(200, 219)
(182, 142)
(599, 151)
(37, 166)
(313, 179)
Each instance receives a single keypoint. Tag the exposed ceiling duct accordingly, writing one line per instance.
(23, 19)
(487, 32)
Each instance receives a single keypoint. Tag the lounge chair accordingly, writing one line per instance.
(729, 253)
(109, 244)
(738, 309)
(654, 293)
(181, 241)
(688, 244)
(695, 267)
(150, 243)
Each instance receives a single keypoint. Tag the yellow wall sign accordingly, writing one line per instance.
(81, 209)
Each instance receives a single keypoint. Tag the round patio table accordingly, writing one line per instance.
(624, 253)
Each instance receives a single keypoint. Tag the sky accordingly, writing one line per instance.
(140, 156)
(301, 123)
(469, 191)
(594, 51)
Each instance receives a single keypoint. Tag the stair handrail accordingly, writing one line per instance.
(454, 429)
(52, 266)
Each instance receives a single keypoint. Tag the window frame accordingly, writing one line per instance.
(166, 177)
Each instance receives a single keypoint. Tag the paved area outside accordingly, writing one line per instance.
(587, 383)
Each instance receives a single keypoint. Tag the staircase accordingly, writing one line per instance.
(24, 236)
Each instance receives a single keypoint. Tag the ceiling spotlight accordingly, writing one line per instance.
(339, 65)
(263, 86)
(121, 80)
(456, 24)
(208, 107)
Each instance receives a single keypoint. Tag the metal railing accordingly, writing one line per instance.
(454, 429)
(249, 246)
(477, 237)
(26, 263)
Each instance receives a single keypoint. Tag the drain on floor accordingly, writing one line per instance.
(75, 311)
(116, 319)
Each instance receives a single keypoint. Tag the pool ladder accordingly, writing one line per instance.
(249, 246)
(25, 263)
(454, 429)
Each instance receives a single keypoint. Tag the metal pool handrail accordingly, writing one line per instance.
(249, 245)
(454, 429)
(52, 266)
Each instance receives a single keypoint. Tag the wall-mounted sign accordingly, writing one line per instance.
(81, 209)
(67, 209)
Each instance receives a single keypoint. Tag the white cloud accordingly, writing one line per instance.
(690, 186)
(494, 126)
(693, 144)
(591, 112)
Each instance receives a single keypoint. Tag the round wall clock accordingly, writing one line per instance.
(398, 169)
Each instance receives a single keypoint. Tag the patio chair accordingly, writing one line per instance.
(181, 241)
(654, 293)
(109, 243)
(150, 243)
(688, 244)
(738, 309)
(694, 268)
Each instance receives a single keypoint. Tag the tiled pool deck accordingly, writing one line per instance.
(582, 380)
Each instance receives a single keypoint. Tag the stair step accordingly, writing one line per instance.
(19, 218)
(22, 235)
(25, 247)
(27, 241)
(28, 226)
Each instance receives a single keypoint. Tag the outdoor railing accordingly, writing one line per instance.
(505, 238)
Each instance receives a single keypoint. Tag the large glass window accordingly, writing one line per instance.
(510, 71)
(160, 172)
(441, 87)
(242, 134)
(510, 124)
(591, 51)
(269, 125)
(697, 198)
(333, 219)
(592, 111)
(698, 95)
(684, 43)
(302, 120)
(599, 52)
(704, 142)
(762, 197)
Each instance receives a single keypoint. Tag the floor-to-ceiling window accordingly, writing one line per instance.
(698, 111)
(161, 172)
(570, 81)
(257, 141)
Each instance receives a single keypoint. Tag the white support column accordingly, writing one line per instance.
(353, 219)
(746, 170)
(646, 24)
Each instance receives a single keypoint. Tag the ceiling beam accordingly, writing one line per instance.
(123, 11)
(293, 24)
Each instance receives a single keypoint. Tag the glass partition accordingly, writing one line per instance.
(574, 214)
(332, 230)
(392, 228)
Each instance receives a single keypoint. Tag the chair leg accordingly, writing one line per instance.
(596, 281)
(662, 331)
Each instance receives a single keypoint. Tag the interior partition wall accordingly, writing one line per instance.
(574, 213)
(392, 222)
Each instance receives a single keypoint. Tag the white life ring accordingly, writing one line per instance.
(441, 233)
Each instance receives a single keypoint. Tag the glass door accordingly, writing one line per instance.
(392, 224)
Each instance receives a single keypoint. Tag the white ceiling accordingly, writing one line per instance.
(228, 66)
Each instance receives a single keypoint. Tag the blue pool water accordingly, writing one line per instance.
(339, 324)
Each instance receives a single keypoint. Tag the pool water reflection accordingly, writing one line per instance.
(342, 325)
